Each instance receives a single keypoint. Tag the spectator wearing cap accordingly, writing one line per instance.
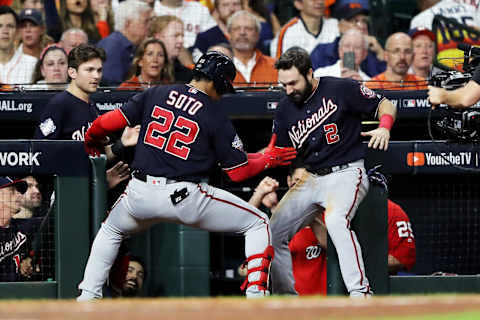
(423, 41)
(352, 14)
(14, 240)
(252, 66)
(32, 32)
(15, 66)
(307, 30)
(399, 55)
(351, 41)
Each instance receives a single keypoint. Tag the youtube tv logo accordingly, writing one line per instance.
(415, 159)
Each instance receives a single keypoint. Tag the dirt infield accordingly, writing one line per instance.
(237, 308)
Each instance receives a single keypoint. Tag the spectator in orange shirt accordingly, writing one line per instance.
(399, 57)
(253, 67)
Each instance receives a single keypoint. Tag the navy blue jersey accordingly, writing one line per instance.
(15, 245)
(326, 128)
(183, 135)
(66, 117)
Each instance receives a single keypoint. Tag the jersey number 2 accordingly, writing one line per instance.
(159, 134)
(331, 133)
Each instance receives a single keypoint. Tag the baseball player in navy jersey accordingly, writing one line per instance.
(68, 114)
(184, 135)
(321, 119)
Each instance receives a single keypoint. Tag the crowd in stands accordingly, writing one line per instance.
(188, 28)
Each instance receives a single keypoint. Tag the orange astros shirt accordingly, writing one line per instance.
(409, 82)
(309, 263)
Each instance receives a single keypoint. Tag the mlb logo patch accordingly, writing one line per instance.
(193, 90)
(410, 103)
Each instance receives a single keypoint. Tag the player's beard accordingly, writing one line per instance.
(298, 97)
(130, 291)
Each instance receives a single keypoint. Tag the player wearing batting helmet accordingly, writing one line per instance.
(184, 135)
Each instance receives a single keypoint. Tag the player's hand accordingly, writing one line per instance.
(94, 147)
(118, 173)
(435, 96)
(278, 156)
(26, 268)
(266, 186)
(379, 138)
(130, 136)
(266, 192)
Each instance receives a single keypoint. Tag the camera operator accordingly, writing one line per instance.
(459, 98)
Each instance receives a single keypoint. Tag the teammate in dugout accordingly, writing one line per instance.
(308, 246)
(461, 98)
(184, 135)
(70, 113)
(15, 237)
(321, 119)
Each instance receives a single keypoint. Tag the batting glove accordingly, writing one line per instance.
(278, 156)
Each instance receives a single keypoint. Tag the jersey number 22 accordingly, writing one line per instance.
(160, 135)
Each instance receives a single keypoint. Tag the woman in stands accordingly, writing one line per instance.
(51, 69)
(74, 14)
(150, 66)
(103, 16)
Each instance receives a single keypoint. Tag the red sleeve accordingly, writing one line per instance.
(401, 241)
(256, 164)
(103, 28)
(105, 124)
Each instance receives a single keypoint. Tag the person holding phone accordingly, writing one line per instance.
(352, 50)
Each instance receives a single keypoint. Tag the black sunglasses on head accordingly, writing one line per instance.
(21, 186)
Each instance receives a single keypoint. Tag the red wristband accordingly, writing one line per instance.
(386, 121)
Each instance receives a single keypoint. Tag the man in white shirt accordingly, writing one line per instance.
(459, 11)
(252, 66)
(15, 66)
(352, 40)
(307, 30)
(195, 16)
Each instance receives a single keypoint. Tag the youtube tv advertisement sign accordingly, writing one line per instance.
(425, 157)
(440, 158)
